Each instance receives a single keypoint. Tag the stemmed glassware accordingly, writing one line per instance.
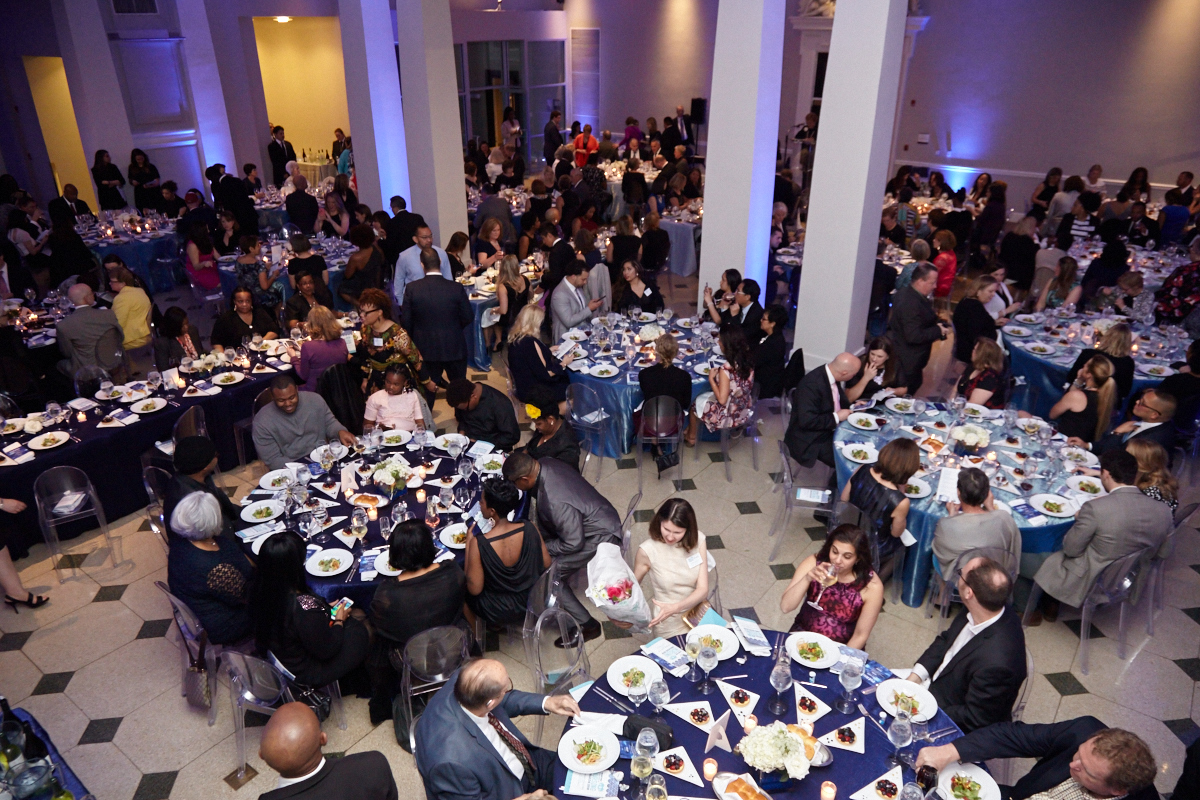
(660, 695)
(781, 681)
(644, 751)
(829, 580)
(900, 733)
(851, 679)
(637, 694)
(707, 661)
(692, 648)
(958, 405)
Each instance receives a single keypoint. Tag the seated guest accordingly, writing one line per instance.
(68, 203)
(208, 571)
(770, 357)
(972, 321)
(483, 413)
(305, 260)
(195, 461)
(983, 382)
(723, 298)
(878, 491)
(847, 610)
(1104, 271)
(177, 339)
(1115, 344)
(1152, 415)
(1154, 476)
(1184, 385)
(745, 310)
(1002, 305)
(467, 745)
(396, 406)
(975, 668)
(488, 247)
(730, 402)
(634, 290)
(1106, 529)
(527, 242)
(1076, 758)
(553, 436)
(251, 183)
(505, 560)
(656, 244)
(1064, 289)
(364, 269)
(1130, 287)
(456, 248)
(316, 642)
(574, 519)
(294, 425)
(513, 291)
(385, 343)
(675, 556)
(663, 378)
(1084, 411)
(80, 331)
(244, 320)
(228, 235)
(171, 205)
(879, 371)
(256, 276)
(1180, 292)
(1046, 268)
(530, 362)
(890, 227)
(946, 262)
(302, 208)
(1082, 222)
(201, 258)
(569, 303)
(1140, 229)
(819, 404)
(975, 523)
(324, 348)
(291, 745)
(1018, 252)
(309, 294)
(132, 307)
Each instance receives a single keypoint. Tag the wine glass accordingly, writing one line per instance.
(656, 788)
(465, 467)
(958, 405)
(431, 513)
(641, 767)
(707, 661)
(829, 580)
(30, 295)
(462, 495)
(338, 450)
(185, 364)
(900, 734)
(692, 648)
(1010, 417)
(154, 380)
(781, 681)
(637, 694)
(851, 679)
(358, 523)
(454, 447)
(659, 695)
(446, 497)
(53, 411)
(303, 475)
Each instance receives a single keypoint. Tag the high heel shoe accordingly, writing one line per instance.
(31, 601)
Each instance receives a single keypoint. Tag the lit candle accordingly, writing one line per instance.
(372, 514)
(751, 724)
(180, 382)
(81, 416)
(421, 493)
(710, 769)
(991, 456)
(828, 790)
(421, 475)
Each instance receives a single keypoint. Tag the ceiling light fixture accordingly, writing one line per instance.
(283, 19)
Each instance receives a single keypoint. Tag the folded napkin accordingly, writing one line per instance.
(82, 404)
(614, 723)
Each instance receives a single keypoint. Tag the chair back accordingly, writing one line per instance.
(188, 622)
(263, 400)
(343, 394)
(557, 667)
(156, 480)
(88, 380)
(1116, 581)
(1018, 709)
(258, 682)
(154, 515)
(542, 595)
(627, 524)
(1184, 512)
(518, 406)
(55, 482)
(582, 401)
(661, 416)
(110, 349)
(190, 423)
(433, 655)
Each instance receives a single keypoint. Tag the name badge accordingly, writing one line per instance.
(377, 342)
(647, 292)
(693, 560)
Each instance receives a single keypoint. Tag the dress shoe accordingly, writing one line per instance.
(1050, 610)
(1035, 619)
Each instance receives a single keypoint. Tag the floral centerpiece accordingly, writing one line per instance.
(392, 477)
(778, 747)
(969, 438)
(650, 332)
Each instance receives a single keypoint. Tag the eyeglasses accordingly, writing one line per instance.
(365, 311)
(1142, 402)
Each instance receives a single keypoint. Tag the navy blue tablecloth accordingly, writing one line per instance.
(67, 777)
(141, 257)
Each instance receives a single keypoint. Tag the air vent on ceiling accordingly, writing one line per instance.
(135, 6)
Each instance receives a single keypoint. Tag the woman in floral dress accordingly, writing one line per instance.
(731, 401)
(384, 342)
(846, 610)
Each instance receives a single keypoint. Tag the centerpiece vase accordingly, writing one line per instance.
(777, 781)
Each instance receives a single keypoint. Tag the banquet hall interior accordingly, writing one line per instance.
(405, 231)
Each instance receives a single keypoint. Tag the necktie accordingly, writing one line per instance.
(837, 402)
(514, 744)
(1137, 427)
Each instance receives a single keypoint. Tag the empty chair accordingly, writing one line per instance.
(208, 297)
(255, 685)
(191, 632)
(426, 662)
(190, 423)
(156, 480)
(88, 380)
(589, 419)
(663, 424)
(1155, 579)
(65, 494)
(556, 669)
(242, 426)
(799, 483)
(945, 588)
(627, 525)
(1002, 768)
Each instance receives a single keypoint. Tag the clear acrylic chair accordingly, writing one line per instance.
(590, 421)
(1002, 768)
(1114, 584)
(747, 431)
(48, 490)
(899, 554)
(714, 590)
(208, 297)
(518, 406)
(242, 426)
(190, 423)
(663, 424)
(426, 663)
(945, 588)
(627, 526)
(88, 380)
(254, 684)
(156, 480)
(1155, 581)
(190, 631)
(791, 480)
(556, 669)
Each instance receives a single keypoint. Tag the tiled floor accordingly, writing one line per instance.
(99, 665)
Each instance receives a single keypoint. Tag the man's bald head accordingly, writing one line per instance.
(81, 294)
(481, 685)
(844, 366)
(292, 741)
(300, 182)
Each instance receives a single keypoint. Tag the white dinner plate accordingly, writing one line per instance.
(976, 411)
(1040, 349)
(450, 531)
(568, 745)
(702, 369)
(849, 449)
(443, 442)
(727, 638)
(1018, 331)
(603, 371)
(901, 405)
(338, 560)
(646, 316)
(13, 425)
(1028, 319)
(926, 704)
(1155, 370)
(575, 336)
(149, 406)
(1038, 503)
(491, 464)
(864, 422)
(616, 672)
(45, 441)
(922, 487)
(275, 507)
(383, 567)
(396, 438)
(830, 653)
(1077, 455)
(684, 322)
(988, 790)
(1031, 425)
(112, 394)
(229, 378)
(1094, 488)
(276, 479)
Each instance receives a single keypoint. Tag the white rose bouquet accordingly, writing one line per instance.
(390, 475)
(650, 332)
(773, 747)
(971, 436)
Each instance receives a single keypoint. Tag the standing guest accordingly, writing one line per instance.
(553, 436)
(384, 342)
(552, 137)
(83, 329)
(530, 362)
(983, 382)
(170, 204)
(971, 523)
(70, 203)
(569, 303)
(675, 556)
(243, 320)
(281, 152)
(483, 414)
(305, 260)
(177, 339)
(402, 227)
(504, 561)
(848, 609)
(1018, 252)
(325, 347)
(585, 145)
(1180, 292)
(109, 181)
(1085, 409)
(409, 267)
(770, 356)
(819, 405)
(635, 290)
(396, 406)
(437, 312)
(308, 296)
(1064, 289)
(294, 425)
(208, 570)
(622, 246)
(510, 128)
(251, 184)
(1184, 184)
(256, 274)
(455, 249)
(1154, 476)
(302, 208)
(195, 462)
(731, 402)
(132, 308)
(914, 326)
(971, 320)
(656, 244)
(946, 262)
(143, 177)
(513, 292)
(574, 518)
(364, 269)
(340, 142)
(878, 490)
(228, 235)
(1043, 193)
(1116, 344)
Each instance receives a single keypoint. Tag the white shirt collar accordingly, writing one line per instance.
(1142, 425)
(829, 374)
(291, 781)
(982, 626)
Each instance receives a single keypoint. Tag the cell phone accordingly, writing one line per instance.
(345, 602)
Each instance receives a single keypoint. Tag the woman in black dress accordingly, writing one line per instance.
(541, 200)
(656, 245)
(208, 570)
(636, 291)
(527, 242)
(15, 593)
(505, 561)
(143, 176)
(226, 240)
(622, 246)
(1084, 412)
(553, 436)
(971, 319)
(880, 370)
(878, 491)
(488, 247)
(364, 268)
(1039, 202)
(982, 382)
(1115, 344)
(109, 181)
(530, 362)
(244, 319)
(454, 252)
(512, 292)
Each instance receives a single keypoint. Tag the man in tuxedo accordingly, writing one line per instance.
(559, 255)
(291, 745)
(1139, 229)
(1152, 414)
(468, 746)
(302, 208)
(1077, 758)
(229, 194)
(552, 137)
(401, 228)
(747, 311)
(281, 152)
(671, 136)
(819, 405)
(69, 203)
(687, 133)
(914, 326)
(975, 668)
(569, 304)
(435, 313)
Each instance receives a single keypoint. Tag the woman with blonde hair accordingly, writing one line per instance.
(1154, 477)
(972, 322)
(325, 348)
(530, 362)
(1116, 344)
(983, 382)
(1064, 289)
(512, 291)
(1086, 409)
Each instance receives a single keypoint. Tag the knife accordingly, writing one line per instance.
(614, 701)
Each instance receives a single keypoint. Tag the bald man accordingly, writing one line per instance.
(819, 405)
(83, 329)
(468, 747)
(291, 745)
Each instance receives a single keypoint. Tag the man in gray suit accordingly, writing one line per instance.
(82, 331)
(468, 746)
(1106, 529)
(574, 519)
(569, 303)
(972, 523)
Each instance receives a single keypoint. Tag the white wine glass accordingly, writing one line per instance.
(692, 648)
(829, 580)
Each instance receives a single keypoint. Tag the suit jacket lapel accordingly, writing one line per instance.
(976, 642)
(480, 739)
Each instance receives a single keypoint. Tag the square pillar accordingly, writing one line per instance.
(204, 80)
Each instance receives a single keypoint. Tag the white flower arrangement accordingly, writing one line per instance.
(971, 436)
(391, 473)
(773, 747)
(650, 332)
(1101, 325)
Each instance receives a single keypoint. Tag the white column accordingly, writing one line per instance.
(208, 98)
(814, 40)
(431, 117)
(849, 174)
(92, 78)
(743, 124)
(373, 98)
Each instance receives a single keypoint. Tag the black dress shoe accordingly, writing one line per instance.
(591, 630)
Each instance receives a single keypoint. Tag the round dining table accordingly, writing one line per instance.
(141, 254)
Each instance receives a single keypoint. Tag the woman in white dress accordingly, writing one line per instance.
(677, 560)
(510, 129)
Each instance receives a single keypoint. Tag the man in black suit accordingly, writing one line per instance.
(975, 668)
(198, 211)
(1152, 414)
(747, 311)
(1077, 758)
(636, 150)
(291, 745)
(1139, 229)
(666, 171)
(671, 136)
(281, 152)
(914, 326)
(229, 194)
(819, 405)
(687, 133)
(302, 207)
(552, 137)
(401, 229)
(69, 203)
(560, 254)
(436, 311)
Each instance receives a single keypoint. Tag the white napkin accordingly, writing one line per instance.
(609, 722)
(82, 404)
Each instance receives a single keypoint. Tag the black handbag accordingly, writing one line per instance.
(635, 722)
(316, 699)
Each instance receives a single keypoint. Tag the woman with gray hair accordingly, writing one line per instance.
(208, 571)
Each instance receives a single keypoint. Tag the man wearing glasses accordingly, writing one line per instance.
(468, 746)
(1152, 414)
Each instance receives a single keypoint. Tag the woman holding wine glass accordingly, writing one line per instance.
(846, 611)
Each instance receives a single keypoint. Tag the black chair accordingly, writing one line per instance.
(342, 390)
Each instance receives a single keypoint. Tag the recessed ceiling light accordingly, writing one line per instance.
(283, 19)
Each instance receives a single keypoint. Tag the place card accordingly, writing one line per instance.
(481, 448)
(751, 635)
(858, 727)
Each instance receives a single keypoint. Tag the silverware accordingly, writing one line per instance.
(863, 710)
(614, 701)
(929, 737)
(818, 685)
(672, 698)
(730, 677)
(869, 690)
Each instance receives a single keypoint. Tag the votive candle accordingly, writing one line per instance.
(828, 790)
(81, 416)
(421, 475)
(710, 769)
(421, 493)
(372, 514)
(751, 724)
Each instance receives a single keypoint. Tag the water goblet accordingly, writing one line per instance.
(659, 696)
(851, 679)
(646, 743)
(707, 661)
(781, 681)
(465, 467)
(303, 475)
(637, 695)
(462, 495)
(900, 734)
(446, 497)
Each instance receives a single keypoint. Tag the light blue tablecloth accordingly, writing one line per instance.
(477, 351)
(684, 246)
(923, 515)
